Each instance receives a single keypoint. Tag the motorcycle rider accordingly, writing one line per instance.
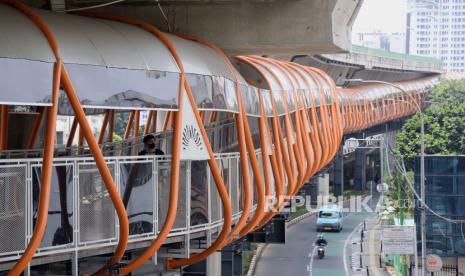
(321, 244)
(321, 240)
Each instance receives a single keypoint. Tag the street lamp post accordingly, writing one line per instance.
(422, 167)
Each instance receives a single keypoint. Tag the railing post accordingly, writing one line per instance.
(188, 206)
(155, 195)
(209, 190)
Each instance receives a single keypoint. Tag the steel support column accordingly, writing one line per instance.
(339, 173)
(360, 169)
(231, 259)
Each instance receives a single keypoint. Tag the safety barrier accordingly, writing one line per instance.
(91, 219)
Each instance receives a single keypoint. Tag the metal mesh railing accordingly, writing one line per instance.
(60, 220)
(96, 211)
(81, 214)
(12, 208)
(136, 182)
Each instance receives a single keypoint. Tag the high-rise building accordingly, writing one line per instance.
(436, 28)
(394, 42)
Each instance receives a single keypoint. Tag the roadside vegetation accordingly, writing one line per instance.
(247, 258)
(400, 194)
(444, 120)
(444, 125)
(349, 193)
(299, 210)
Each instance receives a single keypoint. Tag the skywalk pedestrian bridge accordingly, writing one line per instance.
(235, 132)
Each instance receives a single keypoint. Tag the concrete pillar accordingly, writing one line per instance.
(231, 259)
(75, 264)
(338, 173)
(360, 169)
(323, 184)
(214, 264)
(461, 265)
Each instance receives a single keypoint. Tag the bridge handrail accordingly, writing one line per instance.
(22, 176)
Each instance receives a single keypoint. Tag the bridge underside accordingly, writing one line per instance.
(368, 67)
(279, 27)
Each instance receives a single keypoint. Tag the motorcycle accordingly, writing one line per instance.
(321, 252)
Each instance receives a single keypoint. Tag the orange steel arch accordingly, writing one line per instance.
(332, 147)
(292, 147)
(301, 148)
(104, 127)
(288, 153)
(269, 159)
(276, 152)
(72, 132)
(282, 149)
(304, 125)
(154, 121)
(297, 147)
(227, 212)
(136, 123)
(245, 144)
(111, 129)
(315, 130)
(127, 132)
(303, 122)
(241, 227)
(167, 120)
(60, 76)
(321, 123)
(309, 121)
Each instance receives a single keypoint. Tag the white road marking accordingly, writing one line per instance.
(348, 238)
(310, 266)
(345, 247)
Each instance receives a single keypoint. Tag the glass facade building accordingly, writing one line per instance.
(445, 194)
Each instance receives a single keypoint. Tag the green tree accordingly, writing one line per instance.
(444, 124)
(117, 138)
(400, 193)
(121, 121)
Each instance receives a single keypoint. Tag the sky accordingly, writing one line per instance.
(385, 15)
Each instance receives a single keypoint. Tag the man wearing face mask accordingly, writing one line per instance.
(138, 176)
(149, 146)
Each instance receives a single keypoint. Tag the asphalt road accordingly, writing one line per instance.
(294, 258)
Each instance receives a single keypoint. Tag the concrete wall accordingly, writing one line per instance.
(323, 184)
(214, 264)
(461, 265)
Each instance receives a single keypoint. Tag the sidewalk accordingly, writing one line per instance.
(365, 255)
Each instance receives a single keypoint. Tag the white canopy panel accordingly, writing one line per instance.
(111, 64)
